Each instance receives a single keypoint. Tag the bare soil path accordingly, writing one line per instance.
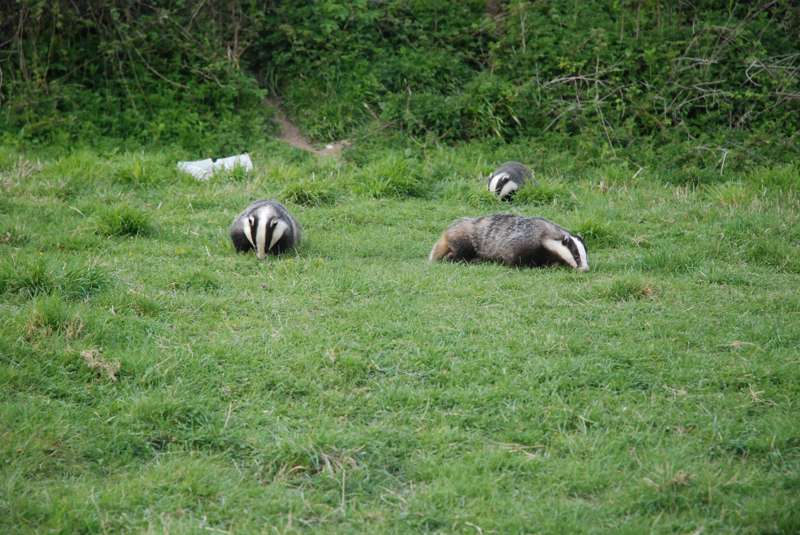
(292, 135)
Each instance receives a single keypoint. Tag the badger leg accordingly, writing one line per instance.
(560, 251)
(441, 249)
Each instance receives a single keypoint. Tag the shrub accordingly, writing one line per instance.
(707, 87)
(140, 74)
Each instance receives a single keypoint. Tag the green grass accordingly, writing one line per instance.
(351, 386)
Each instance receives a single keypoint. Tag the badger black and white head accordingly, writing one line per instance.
(577, 248)
(507, 179)
(266, 227)
(512, 240)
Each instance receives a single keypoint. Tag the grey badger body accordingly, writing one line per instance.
(266, 227)
(507, 179)
(511, 240)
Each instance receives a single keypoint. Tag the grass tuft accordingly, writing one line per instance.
(731, 194)
(781, 255)
(14, 237)
(631, 289)
(31, 278)
(139, 170)
(479, 198)
(597, 234)
(51, 315)
(236, 174)
(310, 192)
(199, 281)
(391, 175)
(83, 281)
(541, 192)
(667, 260)
(28, 278)
(141, 305)
(783, 178)
(124, 221)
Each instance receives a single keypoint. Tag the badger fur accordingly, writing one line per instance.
(507, 179)
(266, 227)
(511, 240)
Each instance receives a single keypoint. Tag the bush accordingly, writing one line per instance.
(151, 72)
(702, 86)
(716, 81)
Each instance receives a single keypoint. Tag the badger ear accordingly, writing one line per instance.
(251, 220)
(273, 223)
(565, 240)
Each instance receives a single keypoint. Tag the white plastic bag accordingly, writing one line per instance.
(203, 169)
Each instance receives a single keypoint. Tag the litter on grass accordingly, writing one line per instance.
(204, 169)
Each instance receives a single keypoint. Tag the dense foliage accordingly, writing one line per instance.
(158, 71)
(631, 68)
(721, 76)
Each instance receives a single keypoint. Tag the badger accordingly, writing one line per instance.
(511, 240)
(266, 227)
(507, 179)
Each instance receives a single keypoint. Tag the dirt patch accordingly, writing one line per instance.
(291, 134)
(95, 361)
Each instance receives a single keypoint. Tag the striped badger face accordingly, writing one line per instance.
(502, 185)
(577, 249)
(263, 229)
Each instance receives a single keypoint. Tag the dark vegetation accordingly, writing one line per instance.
(699, 86)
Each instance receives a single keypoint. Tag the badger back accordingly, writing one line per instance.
(527, 241)
(266, 227)
(507, 179)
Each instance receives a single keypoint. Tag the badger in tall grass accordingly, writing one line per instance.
(511, 240)
(507, 179)
(266, 227)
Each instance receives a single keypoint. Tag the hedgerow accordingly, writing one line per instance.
(149, 72)
(701, 84)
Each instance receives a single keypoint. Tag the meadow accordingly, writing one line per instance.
(152, 380)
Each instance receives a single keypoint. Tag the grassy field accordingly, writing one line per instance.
(153, 380)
